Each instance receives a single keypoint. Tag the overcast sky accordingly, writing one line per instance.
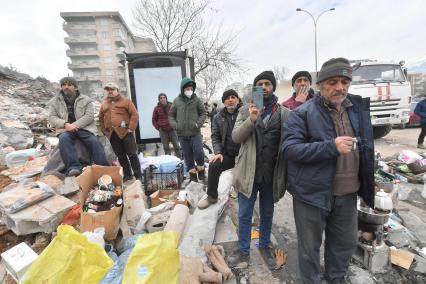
(270, 32)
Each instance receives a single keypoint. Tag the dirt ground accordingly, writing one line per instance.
(397, 140)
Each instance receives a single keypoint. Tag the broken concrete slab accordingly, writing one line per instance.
(416, 226)
(195, 191)
(135, 204)
(44, 216)
(420, 265)
(202, 224)
(225, 230)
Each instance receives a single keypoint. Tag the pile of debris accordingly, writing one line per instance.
(23, 112)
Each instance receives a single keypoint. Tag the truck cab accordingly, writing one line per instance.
(386, 84)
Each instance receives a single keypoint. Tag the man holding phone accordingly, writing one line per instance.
(326, 171)
(258, 170)
(301, 83)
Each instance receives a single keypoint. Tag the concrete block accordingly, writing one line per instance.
(413, 223)
(44, 216)
(420, 266)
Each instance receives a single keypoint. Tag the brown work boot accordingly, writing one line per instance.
(193, 175)
(201, 172)
(421, 146)
(206, 201)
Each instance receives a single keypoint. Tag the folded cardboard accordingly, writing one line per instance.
(110, 219)
(160, 196)
(18, 259)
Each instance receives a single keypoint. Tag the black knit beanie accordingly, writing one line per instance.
(266, 75)
(229, 93)
(160, 95)
(335, 67)
(301, 74)
(70, 80)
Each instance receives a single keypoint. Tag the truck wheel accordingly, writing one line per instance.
(381, 131)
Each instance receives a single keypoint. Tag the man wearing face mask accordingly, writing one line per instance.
(225, 150)
(328, 143)
(258, 168)
(301, 83)
(187, 116)
(118, 118)
(72, 114)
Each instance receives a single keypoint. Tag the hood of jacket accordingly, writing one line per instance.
(185, 81)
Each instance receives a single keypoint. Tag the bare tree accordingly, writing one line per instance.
(208, 83)
(280, 72)
(175, 25)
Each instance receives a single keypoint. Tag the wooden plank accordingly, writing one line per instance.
(402, 258)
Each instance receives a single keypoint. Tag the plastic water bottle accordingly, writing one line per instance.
(424, 186)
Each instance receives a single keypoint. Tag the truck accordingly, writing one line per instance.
(386, 84)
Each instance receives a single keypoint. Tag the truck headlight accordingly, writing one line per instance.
(405, 113)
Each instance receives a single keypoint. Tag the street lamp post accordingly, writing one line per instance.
(315, 28)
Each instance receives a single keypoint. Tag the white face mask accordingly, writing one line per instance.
(188, 93)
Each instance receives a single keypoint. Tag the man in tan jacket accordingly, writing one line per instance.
(118, 118)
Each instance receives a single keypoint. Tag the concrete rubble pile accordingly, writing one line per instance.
(23, 112)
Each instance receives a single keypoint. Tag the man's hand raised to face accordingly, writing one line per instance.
(254, 112)
(344, 144)
(302, 94)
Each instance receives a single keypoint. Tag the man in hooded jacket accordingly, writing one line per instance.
(187, 116)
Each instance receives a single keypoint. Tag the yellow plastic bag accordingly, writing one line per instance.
(154, 259)
(69, 258)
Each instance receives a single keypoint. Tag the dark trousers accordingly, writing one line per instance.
(192, 148)
(245, 214)
(69, 154)
(167, 137)
(215, 169)
(341, 234)
(422, 135)
(126, 151)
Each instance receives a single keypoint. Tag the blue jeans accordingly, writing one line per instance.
(192, 148)
(69, 154)
(245, 214)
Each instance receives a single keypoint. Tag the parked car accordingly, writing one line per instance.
(414, 118)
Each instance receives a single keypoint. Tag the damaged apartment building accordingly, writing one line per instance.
(97, 42)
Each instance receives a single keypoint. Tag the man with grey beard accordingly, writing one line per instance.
(72, 114)
(328, 143)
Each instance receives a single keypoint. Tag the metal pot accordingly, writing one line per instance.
(367, 215)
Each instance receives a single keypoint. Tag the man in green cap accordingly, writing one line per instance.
(187, 116)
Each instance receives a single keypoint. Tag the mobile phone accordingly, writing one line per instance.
(257, 96)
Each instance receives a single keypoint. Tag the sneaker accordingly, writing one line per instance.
(74, 172)
(268, 256)
(421, 146)
(238, 258)
(127, 178)
(206, 201)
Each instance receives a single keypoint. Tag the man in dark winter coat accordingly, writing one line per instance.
(160, 120)
(420, 110)
(187, 116)
(301, 83)
(328, 143)
(225, 150)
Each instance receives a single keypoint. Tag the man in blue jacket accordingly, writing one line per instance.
(328, 143)
(420, 110)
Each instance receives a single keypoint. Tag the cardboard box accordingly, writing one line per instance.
(157, 197)
(110, 219)
(18, 259)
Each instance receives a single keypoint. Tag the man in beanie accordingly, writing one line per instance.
(225, 150)
(301, 83)
(328, 143)
(258, 170)
(160, 120)
(187, 116)
(118, 118)
(72, 114)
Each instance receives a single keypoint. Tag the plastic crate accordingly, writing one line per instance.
(154, 180)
